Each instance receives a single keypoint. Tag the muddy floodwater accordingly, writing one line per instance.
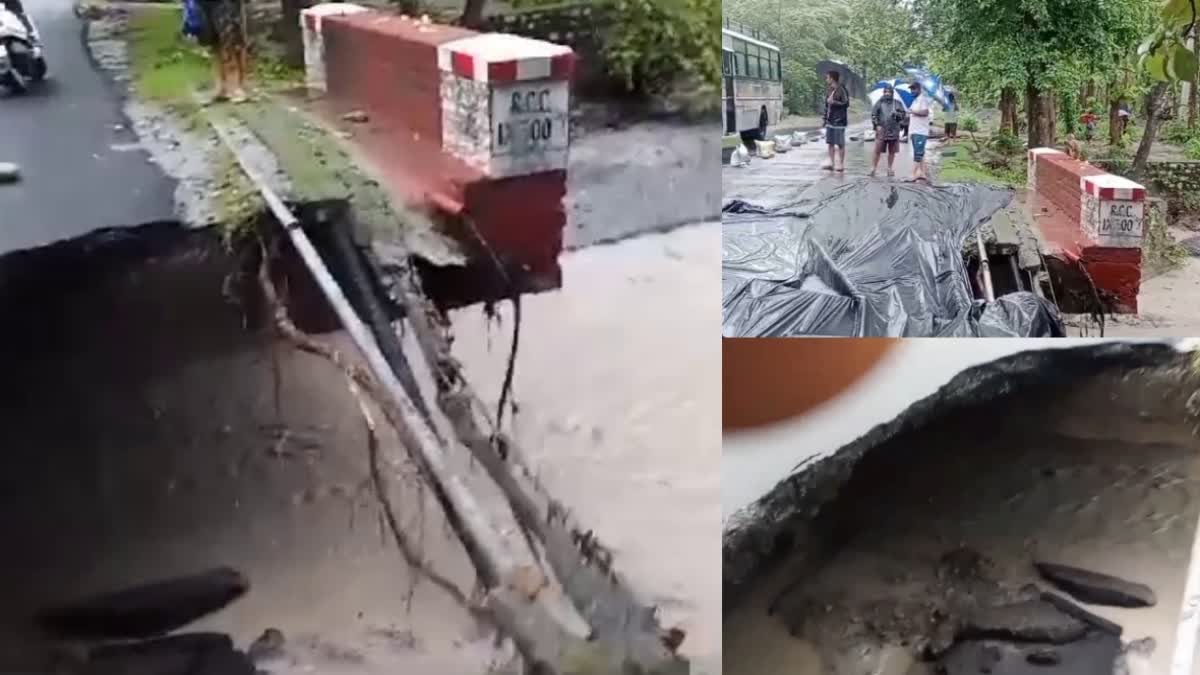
(1100, 472)
(620, 408)
(150, 429)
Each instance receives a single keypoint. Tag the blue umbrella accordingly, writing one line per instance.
(931, 84)
(901, 88)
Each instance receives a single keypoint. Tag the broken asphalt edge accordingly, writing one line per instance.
(759, 534)
(550, 628)
(753, 536)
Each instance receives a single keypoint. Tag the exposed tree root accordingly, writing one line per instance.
(361, 386)
(580, 562)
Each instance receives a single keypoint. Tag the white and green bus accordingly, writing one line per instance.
(753, 79)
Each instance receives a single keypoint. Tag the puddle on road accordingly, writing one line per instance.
(1098, 474)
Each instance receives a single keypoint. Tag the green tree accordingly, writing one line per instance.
(804, 33)
(882, 36)
(1166, 58)
(1038, 47)
(874, 36)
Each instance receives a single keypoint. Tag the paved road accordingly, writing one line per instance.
(73, 146)
(769, 182)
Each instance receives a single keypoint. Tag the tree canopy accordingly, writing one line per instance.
(981, 46)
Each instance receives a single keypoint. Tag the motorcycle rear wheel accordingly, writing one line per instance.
(12, 80)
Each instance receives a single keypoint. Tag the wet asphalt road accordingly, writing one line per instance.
(81, 167)
(781, 179)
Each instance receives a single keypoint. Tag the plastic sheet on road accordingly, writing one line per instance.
(859, 257)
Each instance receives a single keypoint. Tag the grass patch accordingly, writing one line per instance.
(1161, 253)
(965, 167)
(165, 67)
(319, 168)
(169, 68)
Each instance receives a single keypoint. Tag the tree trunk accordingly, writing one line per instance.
(290, 33)
(1008, 110)
(472, 16)
(1193, 98)
(1153, 121)
(1040, 117)
(1114, 122)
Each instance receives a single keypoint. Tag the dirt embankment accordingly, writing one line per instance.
(152, 429)
(1095, 470)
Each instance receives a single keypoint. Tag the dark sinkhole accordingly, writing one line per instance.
(152, 427)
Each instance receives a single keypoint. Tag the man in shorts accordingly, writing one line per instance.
(837, 116)
(951, 116)
(888, 118)
(918, 129)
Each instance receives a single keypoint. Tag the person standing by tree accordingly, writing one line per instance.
(225, 33)
(1089, 119)
(887, 117)
(837, 117)
(951, 116)
(918, 130)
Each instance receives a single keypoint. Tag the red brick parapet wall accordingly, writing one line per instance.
(472, 127)
(1092, 219)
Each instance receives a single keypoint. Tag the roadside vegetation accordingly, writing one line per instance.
(1097, 57)
(169, 68)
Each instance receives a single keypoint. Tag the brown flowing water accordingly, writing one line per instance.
(151, 429)
(618, 387)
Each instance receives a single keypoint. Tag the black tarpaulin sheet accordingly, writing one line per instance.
(866, 258)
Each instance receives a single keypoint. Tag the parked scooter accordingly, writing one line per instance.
(21, 59)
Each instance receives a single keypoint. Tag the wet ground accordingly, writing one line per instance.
(1100, 473)
(1167, 301)
(649, 177)
(801, 166)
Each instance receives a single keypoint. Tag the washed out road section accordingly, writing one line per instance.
(82, 168)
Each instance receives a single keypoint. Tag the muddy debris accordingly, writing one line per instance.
(1096, 588)
(1043, 657)
(183, 654)
(268, 646)
(1142, 647)
(356, 116)
(1067, 607)
(1029, 621)
(964, 564)
(1095, 654)
(147, 610)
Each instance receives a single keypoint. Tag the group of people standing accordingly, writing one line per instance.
(890, 118)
